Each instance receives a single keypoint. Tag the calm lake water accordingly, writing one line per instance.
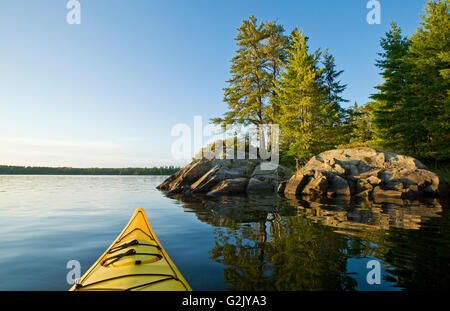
(238, 243)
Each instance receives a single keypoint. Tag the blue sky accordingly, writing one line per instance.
(107, 92)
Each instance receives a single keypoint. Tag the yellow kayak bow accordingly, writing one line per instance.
(136, 260)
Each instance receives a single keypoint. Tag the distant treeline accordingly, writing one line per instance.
(28, 170)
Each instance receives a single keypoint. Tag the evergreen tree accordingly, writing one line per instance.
(429, 60)
(333, 86)
(276, 46)
(389, 107)
(411, 111)
(304, 117)
(357, 127)
(254, 69)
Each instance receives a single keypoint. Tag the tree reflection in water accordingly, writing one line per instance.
(298, 256)
(273, 243)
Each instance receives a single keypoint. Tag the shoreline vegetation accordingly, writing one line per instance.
(36, 170)
(376, 150)
(275, 78)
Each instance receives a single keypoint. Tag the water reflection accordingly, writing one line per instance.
(270, 243)
(367, 215)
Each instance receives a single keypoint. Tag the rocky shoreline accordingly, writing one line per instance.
(224, 177)
(342, 173)
(368, 173)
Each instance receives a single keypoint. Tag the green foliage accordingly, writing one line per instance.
(277, 80)
(411, 111)
(277, 44)
(357, 129)
(254, 69)
(309, 111)
(389, 113)
(332, 85)
(429, 60)
(28, 170)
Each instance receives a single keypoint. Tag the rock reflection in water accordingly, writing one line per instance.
(218, 211)
(270, 243)
(367, 215)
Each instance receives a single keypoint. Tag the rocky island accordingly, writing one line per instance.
(343, 173)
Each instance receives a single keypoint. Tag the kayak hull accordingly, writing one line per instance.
(135, 261)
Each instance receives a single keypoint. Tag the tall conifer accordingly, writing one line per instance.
(304, 113)
(254, 69)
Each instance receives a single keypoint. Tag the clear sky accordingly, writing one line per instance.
(107, 92)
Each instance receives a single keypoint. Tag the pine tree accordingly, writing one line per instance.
(254, 69)
(390, 120)
(411, 112)
(428, 87)
(275, 50)
(304, 117)
(357, 127)
(333, 86)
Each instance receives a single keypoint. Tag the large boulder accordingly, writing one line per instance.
(338, 186)
(266, 180)
(317, 184)
(224, 176)
(366, 172)
(297, 182)
(181, 180)
(215, 176)
(256, 185)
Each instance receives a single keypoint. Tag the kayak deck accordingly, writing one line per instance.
(135, 261)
